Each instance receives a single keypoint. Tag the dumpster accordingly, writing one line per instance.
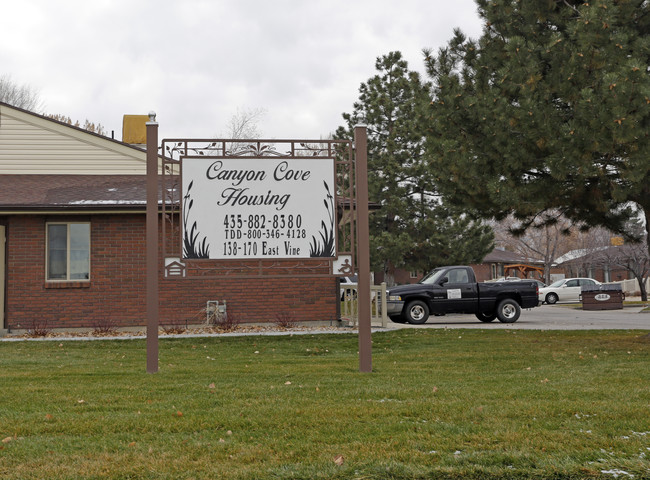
(602, 297)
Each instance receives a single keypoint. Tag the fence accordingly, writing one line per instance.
(378, 306)
(631, 287)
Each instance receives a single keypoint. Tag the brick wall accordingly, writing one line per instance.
(483, 272)
(400, 277)
(116, 292)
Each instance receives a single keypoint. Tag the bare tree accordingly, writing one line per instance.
(631, 256)
(543, 243)
(546, 243)
(243, 125)
(593, 248)
(21, 96)
(634, 259)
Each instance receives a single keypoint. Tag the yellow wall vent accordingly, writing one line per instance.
(134, 129)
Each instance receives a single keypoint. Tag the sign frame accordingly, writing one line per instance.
(352, 185)
(258, 208)
(175, 154)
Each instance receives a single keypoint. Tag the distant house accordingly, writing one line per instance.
(72, 240)
(494, 266)
(596, 263)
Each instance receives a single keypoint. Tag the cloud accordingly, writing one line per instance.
(195, 62)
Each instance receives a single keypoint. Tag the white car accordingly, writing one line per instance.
(349, 287)
(565, 290)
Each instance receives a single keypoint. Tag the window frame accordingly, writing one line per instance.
(67, 224)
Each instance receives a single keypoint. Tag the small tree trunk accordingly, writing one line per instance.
(389, 274)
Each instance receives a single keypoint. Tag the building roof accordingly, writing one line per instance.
(82, 131)
(587, 254)
(21, 193)
(35, 144)
(29, 192)
(504, 256)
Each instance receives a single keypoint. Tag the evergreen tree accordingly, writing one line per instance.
(412, 229)
(547, 114)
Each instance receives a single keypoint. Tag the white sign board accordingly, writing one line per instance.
(454, 293)
(258, 208)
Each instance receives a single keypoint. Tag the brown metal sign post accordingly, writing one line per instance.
(152, 244)
(363, 255)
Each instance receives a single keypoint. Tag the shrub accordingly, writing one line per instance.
(285, 320)
(38, 328)
(104, 327)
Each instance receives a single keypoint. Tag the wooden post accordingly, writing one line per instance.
(152, 244)
(363, 251)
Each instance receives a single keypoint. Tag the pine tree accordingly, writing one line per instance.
(412, 229)
(547, 113)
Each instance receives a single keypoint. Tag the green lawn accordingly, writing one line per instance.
(439, 404)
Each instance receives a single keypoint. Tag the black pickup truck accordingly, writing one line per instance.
(455, 290)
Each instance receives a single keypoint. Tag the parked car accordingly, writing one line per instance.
(565, 290)
(349, 286)
(454, 289)
(539, 283)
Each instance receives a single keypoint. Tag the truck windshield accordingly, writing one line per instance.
(433, 276)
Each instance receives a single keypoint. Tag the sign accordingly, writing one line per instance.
(454, 293)
(602, 297)
(617, 241)
(258, 208)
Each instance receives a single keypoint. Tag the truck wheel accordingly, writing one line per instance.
(551, 298)
(416, 312)
(486, 317)
(508, 311)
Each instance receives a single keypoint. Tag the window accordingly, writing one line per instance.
(68, 251)
(458, 276)
(413, 274)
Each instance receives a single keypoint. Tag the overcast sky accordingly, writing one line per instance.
(196, 62)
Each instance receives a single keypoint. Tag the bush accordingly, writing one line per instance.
(285, 320)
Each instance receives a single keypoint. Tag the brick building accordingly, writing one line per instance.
(601, 263)
(72, 240)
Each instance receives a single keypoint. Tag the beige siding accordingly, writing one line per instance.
(30, 144)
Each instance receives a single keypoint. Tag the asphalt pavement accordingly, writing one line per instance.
(549, 317)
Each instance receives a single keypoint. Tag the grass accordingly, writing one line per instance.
(439, 404)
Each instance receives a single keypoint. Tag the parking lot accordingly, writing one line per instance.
(549, 317)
